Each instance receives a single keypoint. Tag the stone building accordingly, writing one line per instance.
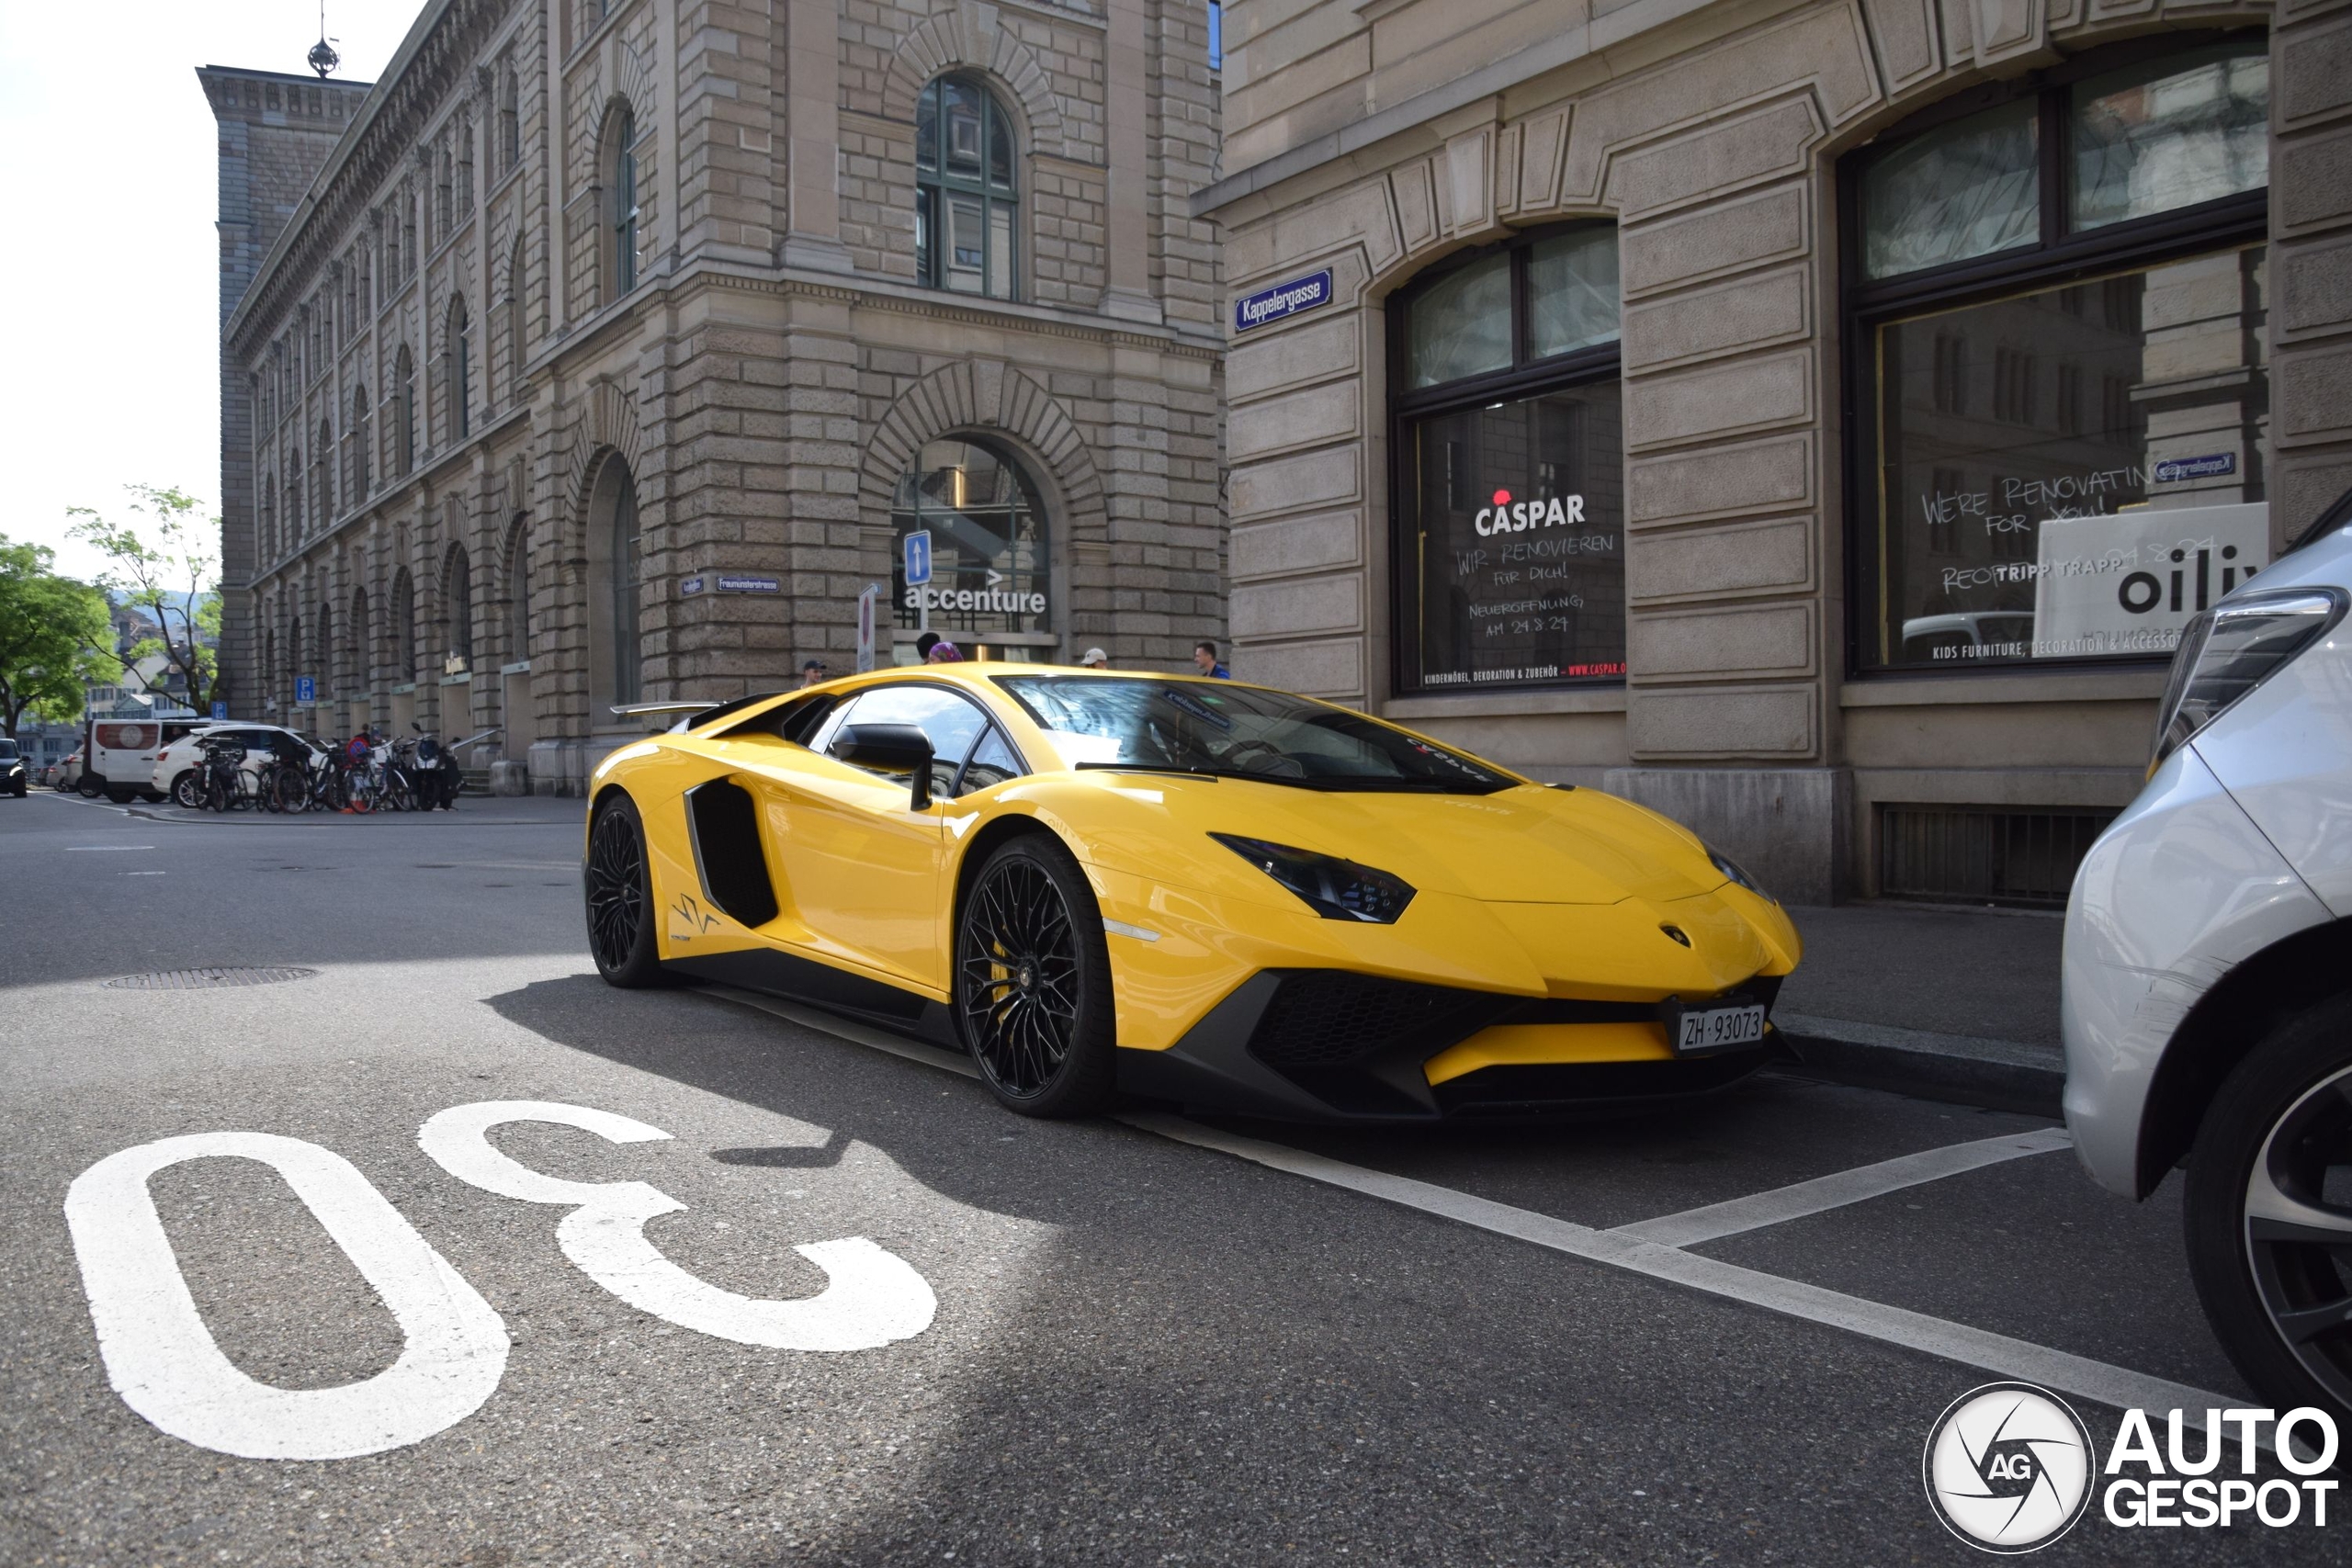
(1816, 418)
(615, 343)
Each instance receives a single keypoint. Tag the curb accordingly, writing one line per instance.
(2001, 1075)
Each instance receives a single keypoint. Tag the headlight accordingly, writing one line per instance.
(1731, 868)
(1334, 888)
(2228, 650)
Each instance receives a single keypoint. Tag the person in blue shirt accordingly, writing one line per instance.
(1204, 660)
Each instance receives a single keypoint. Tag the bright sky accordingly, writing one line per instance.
(111, 273)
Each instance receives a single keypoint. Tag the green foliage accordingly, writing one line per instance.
(48, 624)
(168, 566)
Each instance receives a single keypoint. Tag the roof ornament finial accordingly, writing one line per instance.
(323, 57)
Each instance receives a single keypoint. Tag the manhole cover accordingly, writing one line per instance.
(208, 979)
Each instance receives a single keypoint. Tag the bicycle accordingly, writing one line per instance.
(227, 786)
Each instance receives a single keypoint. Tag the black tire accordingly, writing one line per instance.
(1032, 982)
(89, 786)
(618, 887)
(187, 791)
(2279, 1290)
(121, 795)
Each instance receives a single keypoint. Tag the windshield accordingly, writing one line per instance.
(1200, 727)
(7, 750)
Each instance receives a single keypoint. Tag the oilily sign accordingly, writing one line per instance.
(1282, 300)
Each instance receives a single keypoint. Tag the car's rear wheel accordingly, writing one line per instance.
(1032, 982)
(187, 791)
(2269, 1213)
(620, 897)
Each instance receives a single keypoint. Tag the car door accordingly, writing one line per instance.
(864, 873)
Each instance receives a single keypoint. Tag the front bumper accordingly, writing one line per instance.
(2178, 891)
(1328, 1044)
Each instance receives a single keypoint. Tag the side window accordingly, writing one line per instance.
(951, 723)
(992, 763)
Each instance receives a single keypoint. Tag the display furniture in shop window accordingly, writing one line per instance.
(1509, 455)
(2056, 298)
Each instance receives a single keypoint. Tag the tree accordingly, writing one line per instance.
(175, 579)
(48, 624)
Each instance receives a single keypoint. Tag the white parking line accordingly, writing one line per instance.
(2058, 1370)
(2062, 1371)
(1757, 1210)
(104, 849)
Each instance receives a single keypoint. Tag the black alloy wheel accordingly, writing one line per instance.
(1032, 982)
(2269, 1213)
(620, 897)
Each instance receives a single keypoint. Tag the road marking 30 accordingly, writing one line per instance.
(165, 1362)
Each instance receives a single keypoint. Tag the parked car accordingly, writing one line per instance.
(1284, 907)
(2208, 973)
(121, 756)
(179, 766)
(63, 773)
(15, 777)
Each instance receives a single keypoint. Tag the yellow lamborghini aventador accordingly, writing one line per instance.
(1186, 889)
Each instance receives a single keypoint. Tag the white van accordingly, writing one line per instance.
(119, 755)
(176, 770)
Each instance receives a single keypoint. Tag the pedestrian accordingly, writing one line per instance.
(943, 652)
(1204, 660)
(1096, 659)
(811, 672)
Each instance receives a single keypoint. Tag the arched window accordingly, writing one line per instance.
(510, 118)
(991, 573)
(404, 410)
(1507, 419)
(519, 591)
(363, 673)
(617, 545)
(618, 167)
(322, 475)
(403, 627)
(361, 457)
(328, 683)
(965, 210)
(457, 587)
(458, 343)
(512, 377)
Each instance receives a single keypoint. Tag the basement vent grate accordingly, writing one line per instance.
(208, 979)
(2022, 855)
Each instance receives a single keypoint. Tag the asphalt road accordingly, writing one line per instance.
(1147, 1340)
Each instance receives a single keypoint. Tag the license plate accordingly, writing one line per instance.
(1698, 1030)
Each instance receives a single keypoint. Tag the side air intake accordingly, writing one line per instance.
(725, 821)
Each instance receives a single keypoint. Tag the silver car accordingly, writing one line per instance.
(2208, 989)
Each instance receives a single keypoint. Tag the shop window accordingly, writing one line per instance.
(1508, 510)
(2096, 236)
(965, 205)
(992, 559)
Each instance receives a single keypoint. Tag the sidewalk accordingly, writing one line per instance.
(1954, 1004)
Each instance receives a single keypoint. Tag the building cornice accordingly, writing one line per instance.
(431, 61)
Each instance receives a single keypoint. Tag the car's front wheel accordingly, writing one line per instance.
(2269, 1211)
(1032, 982)
(620, 897)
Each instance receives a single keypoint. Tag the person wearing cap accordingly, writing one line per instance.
(1095, 658)
(811, 672)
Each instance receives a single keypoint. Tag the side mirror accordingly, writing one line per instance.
(889, 748)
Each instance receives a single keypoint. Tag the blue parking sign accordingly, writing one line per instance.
(915, 550)
(306, 688)
(220, 710)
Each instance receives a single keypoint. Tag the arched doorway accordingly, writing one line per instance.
(991, 549)
(615, 548)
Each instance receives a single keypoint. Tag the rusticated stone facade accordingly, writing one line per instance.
(1379, 139)
(596, 271)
